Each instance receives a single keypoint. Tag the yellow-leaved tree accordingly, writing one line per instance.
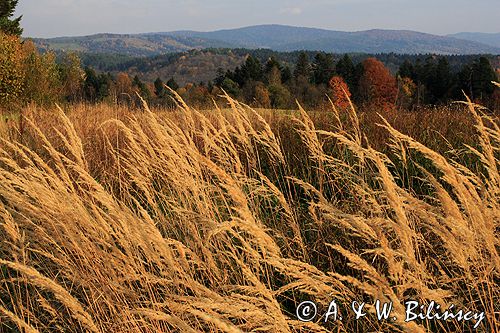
(11, 69)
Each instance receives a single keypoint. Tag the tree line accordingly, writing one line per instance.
(27, 75)
(422, 82)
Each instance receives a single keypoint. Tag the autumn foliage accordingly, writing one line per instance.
(377, 85)
(339, 91)
(26, 75)
(11, 69)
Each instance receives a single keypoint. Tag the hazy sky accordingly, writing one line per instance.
(48, 18)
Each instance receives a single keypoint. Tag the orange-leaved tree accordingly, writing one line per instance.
(339, 91)
(377, 86)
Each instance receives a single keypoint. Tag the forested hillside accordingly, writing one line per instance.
(273, 37)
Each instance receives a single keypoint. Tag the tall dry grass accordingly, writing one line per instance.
(116, 220)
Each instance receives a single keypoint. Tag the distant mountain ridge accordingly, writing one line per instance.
(492, 39)
(275, 37)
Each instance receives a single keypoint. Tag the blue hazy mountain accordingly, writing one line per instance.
(275, 37)
(492, 39)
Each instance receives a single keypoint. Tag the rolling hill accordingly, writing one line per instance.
(275, 37)
(492, 39)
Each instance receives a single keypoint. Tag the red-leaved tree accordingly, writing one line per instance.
(377, 86)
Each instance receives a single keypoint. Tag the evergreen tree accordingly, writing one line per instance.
(96, 87)
(345, 68)
(90, 85)
(251, 70)
(323, 68)
(270, 64)
(303, 67)
(159, 88)
(172, 84)
(475, 79)
(221, 76)
(142, 88)
(286, 75)
(406, 70)
(441, 80)
(483, 75)
(417, 71)
(359, 70)
(8, 25)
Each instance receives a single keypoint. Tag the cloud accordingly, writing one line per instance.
(291, 11)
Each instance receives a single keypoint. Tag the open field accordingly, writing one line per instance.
(123, 220)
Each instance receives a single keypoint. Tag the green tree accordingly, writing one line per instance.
(346, 69)
(270, 64)
(280, 96)
(286, 75)
(7, 24)
(483, 75)
(230, 87)
(172, 84)
(159, 88)
(250, 70)
(142, 89)
(303, 67)
(323, 68)
(476, 79)
(442, 80)
(406, 70)
(96, 87)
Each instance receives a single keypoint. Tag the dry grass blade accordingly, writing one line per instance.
(113, 220)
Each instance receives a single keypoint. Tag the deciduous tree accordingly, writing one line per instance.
(72, 77)
(11, 69)
(377, 86)
(339, 91)
(42, 82)
(280, 96)
(407, 92)
(262, 98)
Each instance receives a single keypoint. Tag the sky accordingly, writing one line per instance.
(51, 18)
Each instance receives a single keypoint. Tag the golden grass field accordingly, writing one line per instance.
(120, 220)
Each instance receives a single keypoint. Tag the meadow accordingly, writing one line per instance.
(121, 219)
